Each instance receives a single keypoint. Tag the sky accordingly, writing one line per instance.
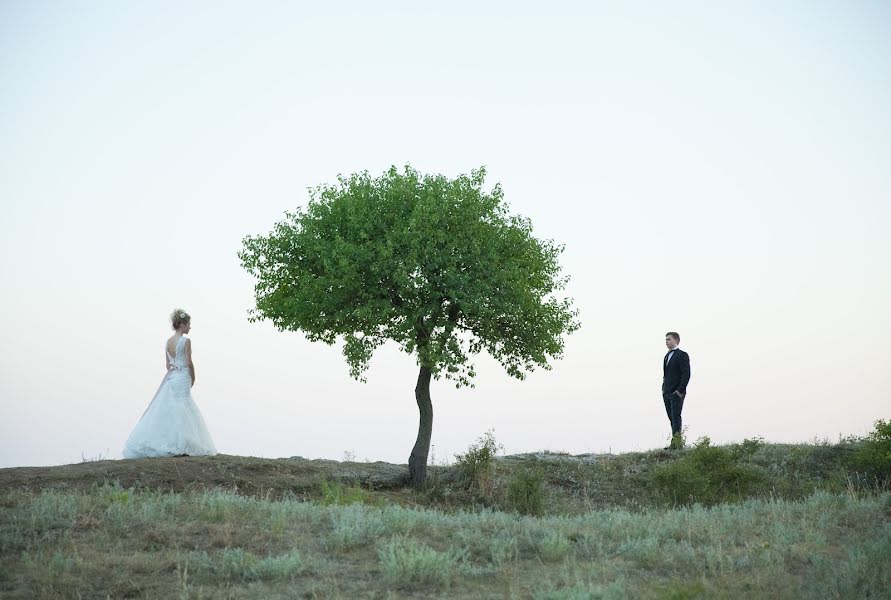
(720, 169)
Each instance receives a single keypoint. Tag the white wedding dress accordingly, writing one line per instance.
(172, 423)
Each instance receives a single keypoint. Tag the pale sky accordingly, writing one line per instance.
(716, 168)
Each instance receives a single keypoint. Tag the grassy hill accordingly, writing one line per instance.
(746, 520)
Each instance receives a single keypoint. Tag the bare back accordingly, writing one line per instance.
(171, 346)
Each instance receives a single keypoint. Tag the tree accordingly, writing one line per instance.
(436, 265)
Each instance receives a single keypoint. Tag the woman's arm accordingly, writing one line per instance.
(189, 362)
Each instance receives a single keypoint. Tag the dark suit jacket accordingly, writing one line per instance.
(676, 373)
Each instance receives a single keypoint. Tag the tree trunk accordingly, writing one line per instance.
(417, 462)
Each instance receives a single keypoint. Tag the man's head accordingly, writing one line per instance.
(672, 339)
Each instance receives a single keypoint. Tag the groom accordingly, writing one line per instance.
(675, 375)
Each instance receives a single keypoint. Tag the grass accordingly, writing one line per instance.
(525, 493)
(809, 529)
(408, 563)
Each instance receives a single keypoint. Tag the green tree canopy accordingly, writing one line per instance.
(437, 265)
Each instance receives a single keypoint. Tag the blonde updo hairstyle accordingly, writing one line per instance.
(179, 317)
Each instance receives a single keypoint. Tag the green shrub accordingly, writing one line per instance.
(553, 546)
(525, 493)
(708, 475)
(502, 550)
(407, 563)
(220, 506)
(354, 526)
(748, 447)
(678, 441)
(873, 456)
(340, 495)
(476, 467)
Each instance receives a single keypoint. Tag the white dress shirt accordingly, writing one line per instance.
(670, 354)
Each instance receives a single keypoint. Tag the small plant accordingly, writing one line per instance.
(352, 527)
(476, 467)
(339, 494)
(435, 490)
(114, 493)
(873, 456)
(99, 457)
(525, 493)
(235, 564)
(554, 546)
(407, 563)
(677, 441)
(502, 550)
(748, 447)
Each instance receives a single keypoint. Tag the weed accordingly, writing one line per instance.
(502, 550)
(354, 526)
(677, 442)
(407, 563)
(748, 448)
(525, 493)
(476, 467)
(553, 546)
(873, 456)
(339, 494)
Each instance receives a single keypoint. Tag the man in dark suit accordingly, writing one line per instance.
(675, 376)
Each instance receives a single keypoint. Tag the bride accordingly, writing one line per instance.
(172, 425)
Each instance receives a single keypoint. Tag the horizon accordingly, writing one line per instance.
(715, 170)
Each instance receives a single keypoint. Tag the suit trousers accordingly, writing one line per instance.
(673, 406)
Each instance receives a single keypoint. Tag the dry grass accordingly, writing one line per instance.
(287, 529)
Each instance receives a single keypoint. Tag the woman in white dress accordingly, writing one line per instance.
(172, 425)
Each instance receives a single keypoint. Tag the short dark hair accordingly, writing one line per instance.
(675, 335)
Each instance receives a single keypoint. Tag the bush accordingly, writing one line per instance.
(553, 546)
(407, 563)
(873, 457)
(354, 526)
(503, 550)
(708, 475)
(748, 447)
(338, 494)
(476, 467)
(678, 441)
(525, 493)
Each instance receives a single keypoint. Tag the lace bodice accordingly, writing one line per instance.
(179, 360)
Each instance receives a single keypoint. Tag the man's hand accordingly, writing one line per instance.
(680, 395)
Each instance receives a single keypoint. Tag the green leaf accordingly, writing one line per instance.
(437, 265)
